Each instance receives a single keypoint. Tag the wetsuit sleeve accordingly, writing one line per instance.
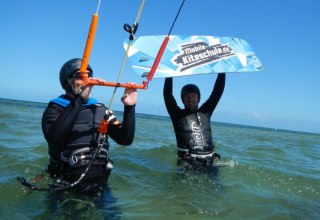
(169, 100)
(216, 94)
(57, 122)
(124, 133)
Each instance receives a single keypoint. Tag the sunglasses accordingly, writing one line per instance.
(77, 75)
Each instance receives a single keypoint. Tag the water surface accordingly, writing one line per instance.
(263, 174)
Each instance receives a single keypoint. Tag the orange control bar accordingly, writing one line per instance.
(86, 56)
(92, 81)
(96, 82)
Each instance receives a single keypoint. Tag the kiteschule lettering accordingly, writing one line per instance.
(200, 53)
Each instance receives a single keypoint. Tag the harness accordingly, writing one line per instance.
(197, 158)
(84, 159)
(80, 161)
(76, 165)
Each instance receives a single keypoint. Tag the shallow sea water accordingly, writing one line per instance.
(263, 174)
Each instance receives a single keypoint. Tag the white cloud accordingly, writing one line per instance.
(256, 115)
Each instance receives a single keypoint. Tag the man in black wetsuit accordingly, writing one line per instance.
(192, 124)
(69, 125)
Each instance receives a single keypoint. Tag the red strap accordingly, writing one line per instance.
(103, 127)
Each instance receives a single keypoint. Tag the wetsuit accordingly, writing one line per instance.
(70, 125)
(192, 129)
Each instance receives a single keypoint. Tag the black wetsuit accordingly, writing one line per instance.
(70, 124)
(192, 129)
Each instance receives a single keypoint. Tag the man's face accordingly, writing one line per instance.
(190, 101)
(76, 83)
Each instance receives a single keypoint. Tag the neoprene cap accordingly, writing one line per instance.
(189, 88)
(69, 68)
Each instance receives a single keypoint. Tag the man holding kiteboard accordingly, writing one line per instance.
(192, 124)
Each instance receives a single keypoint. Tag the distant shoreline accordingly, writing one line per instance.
(167, 117)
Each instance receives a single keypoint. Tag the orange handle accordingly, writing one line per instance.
(89, 43)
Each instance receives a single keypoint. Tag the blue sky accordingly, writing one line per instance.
(37, 37)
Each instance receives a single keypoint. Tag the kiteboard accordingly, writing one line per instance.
(190, 55)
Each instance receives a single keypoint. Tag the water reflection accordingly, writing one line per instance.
(68, 205)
